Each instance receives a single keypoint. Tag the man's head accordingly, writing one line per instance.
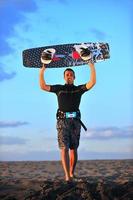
(69, 76)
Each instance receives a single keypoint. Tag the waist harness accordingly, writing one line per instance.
(70, 115)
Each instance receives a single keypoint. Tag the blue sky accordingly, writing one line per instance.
(27, 114)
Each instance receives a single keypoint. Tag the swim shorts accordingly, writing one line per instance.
(68, 133)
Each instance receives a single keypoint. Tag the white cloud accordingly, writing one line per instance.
(8, 140)
(109, 132)
(12, 124)
(55, 155)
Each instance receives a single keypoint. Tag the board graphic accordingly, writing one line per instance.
(66, 55)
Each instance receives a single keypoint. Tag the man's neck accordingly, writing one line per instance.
(71, 84)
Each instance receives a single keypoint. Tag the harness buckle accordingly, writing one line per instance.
(71, 115)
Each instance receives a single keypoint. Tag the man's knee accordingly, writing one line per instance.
(64, 149)
(73, 152)
(73, 149)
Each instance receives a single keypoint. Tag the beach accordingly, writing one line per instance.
(95, 179)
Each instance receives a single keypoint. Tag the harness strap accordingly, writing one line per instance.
(62, 115)
(82, 124)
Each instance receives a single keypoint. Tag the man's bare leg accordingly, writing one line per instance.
(73, 160)
(65, 162)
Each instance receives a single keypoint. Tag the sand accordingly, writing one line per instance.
(44, 180)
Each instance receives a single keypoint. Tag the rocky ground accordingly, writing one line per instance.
(95, 180)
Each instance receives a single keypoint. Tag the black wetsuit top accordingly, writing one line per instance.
(68, 96)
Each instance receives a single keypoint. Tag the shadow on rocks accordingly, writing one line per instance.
(82, 189)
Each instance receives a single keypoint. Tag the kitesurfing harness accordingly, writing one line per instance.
(70, 115)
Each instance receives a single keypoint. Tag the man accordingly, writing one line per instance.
(68, 114)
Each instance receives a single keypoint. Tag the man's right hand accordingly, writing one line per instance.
(43, 68)
(43, 84)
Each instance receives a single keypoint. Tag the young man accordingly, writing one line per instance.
(68, 115)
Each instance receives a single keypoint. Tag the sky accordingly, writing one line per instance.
(27, 113)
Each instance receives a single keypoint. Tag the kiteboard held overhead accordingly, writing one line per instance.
(66, 55)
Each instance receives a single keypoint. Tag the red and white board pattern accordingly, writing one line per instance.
(66, 55)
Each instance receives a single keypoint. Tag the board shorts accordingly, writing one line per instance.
(68, 133)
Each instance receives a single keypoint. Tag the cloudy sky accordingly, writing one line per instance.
(27, 114)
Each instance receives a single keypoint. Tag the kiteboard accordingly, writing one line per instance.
(66, 55)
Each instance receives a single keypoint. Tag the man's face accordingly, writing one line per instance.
(69, 77)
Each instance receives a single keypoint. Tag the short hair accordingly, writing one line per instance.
(69, 69)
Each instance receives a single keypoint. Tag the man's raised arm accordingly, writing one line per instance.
(43, 84)
(92, 80)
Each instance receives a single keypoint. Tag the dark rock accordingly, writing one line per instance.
(84, 190)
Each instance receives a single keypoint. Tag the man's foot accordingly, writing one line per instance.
(47, 56)
(71, 176)
(69, 179)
